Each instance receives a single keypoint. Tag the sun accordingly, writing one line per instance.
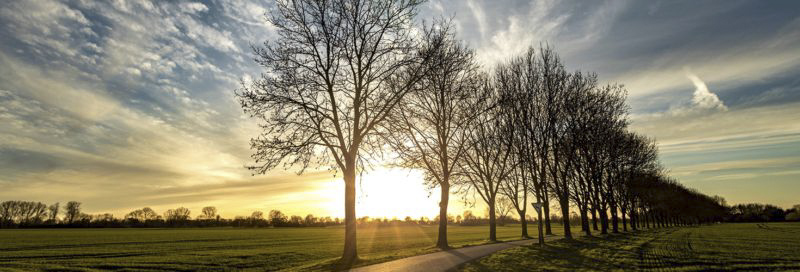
(385, 193)
(395, 192)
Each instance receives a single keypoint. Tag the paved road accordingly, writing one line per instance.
(445, 260)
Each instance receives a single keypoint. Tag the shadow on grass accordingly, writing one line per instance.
(668, 249)
(605, 252)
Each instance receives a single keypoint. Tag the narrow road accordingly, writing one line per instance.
(445, 260)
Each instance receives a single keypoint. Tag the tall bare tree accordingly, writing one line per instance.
(503, 207)
(433, 119)
(72, 212)
(209, 212)
(518, 83)
(555, 105)
(488, 158)
(53, 213)
(177, 215)
(334, 73)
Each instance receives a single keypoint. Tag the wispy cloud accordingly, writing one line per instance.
(702, 98)
(480, 17)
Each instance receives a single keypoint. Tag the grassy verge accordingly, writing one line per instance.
(725, 247)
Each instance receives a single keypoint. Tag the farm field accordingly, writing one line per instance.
(222, 248)
(723, 247)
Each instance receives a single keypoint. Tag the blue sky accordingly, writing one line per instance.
(123, 104)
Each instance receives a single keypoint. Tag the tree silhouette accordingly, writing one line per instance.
(431, 121)
(177, 216)
(333, 75)
(53, 212)
(487, 160)
(209, 212)
(72, 211)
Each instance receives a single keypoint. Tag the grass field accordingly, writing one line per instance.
(221, 248)
(724, 247)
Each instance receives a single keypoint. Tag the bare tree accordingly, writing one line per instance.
(142, 215)
(180, 214)
(277, 218)
(504, 207)
(209, 212)
(310, 220)
(335, 72)
(72, 212)
(432, 120)
(53, 212)
(149, 214)
(519, 83)
(487, 160)
(550, 132)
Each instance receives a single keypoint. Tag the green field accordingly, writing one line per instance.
(724, 247)
(221, 248)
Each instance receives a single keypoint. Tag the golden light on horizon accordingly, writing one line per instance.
(383, 192)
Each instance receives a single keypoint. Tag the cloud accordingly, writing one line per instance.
(498, 31)
(194, 7)
(521, 31)
(702, 98)
(734, 129)
(479, 15)
(703, 101)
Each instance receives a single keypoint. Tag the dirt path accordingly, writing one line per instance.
(445, 260)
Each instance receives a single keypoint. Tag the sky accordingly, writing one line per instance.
(126, 104)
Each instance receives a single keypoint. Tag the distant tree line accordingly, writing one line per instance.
(754, 212)
(29, 214)
(36, 214)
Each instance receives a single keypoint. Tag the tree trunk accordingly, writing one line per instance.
(524, 224)
(585, 221)
(492, 222)
(350, 254)
(548, 229)
(657, 222)
(522, 212)
(624, 223)
(441, 242)
(582, 213)
(564, 202)
(653, 219)
(614, 219)
(603, 221)
(540, 223)
(594, 218)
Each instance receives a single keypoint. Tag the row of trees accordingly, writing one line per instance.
(349, 84)
(755, 212)
(16, 212)
(530, 129)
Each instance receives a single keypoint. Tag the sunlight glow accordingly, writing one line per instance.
(383, 192)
